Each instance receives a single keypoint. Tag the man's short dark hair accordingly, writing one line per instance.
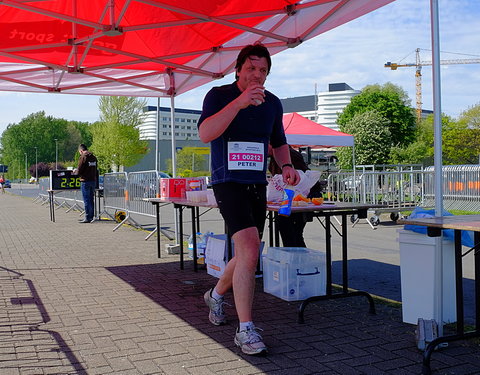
(258, 50)
(83, 147)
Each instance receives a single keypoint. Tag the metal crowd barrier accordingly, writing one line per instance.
(407, 188)
(43, 186)
(69, 199)
(115, 194)
(461, 187)
(121, 192)
(141, 185)
(397, 190)
(127, 192)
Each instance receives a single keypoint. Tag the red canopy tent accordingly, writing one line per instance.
(149, 47)
(301, 131)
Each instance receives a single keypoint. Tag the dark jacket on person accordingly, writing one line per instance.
(87, 167)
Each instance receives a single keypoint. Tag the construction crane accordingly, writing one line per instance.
(418, 74)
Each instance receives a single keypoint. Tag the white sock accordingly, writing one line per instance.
(244, 325)
(216, 295)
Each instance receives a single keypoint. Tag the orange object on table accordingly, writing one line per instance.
(301, 197)
(317, 201)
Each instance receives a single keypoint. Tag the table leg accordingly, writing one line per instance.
(476, 240)
(229, 242)
(328, 253)
(328, 270)
(159, 244)
(458, 282)
(276, 231)
(461, 335)
(270, 228)
(344, 254)
(197, 215)
(179, 210)
(194, 238)
(52, 205)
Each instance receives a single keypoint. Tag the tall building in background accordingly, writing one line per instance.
(324, 107)
(186, 135)
(185, 124)
(332, 102)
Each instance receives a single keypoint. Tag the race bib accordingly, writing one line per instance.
(248, 156)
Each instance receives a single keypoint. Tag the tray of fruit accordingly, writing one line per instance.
(300, 200)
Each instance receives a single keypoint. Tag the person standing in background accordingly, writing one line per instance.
(87, 171)
(291, 227)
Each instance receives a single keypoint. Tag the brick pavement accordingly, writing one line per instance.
(81, 299)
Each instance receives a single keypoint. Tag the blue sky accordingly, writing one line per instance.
(353, 53)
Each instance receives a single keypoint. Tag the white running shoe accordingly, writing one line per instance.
(217, 313)
(250, 341)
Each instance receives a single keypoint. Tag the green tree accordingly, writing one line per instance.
(122, 110)
(461, 140)
(190, 163)
(69, 144)
(415, 153)
(391, 102)
(471, 117)
(461, 143)
(372, 140)
(116, 138)
(34, 136)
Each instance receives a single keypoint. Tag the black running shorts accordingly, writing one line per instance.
(242, 205)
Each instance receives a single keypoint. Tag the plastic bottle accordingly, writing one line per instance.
(201, 246)
(286, 205)
(190, 244)
(201, 240)
(190, 247)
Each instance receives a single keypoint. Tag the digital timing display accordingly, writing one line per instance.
(64, 180)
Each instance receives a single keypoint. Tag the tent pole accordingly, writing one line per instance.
(171, 92)
(172, 125)
(438, 163)
(354, 173)
(157, 161)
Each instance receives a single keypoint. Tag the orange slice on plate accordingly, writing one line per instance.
(317, 201)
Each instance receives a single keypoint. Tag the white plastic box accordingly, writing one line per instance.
(294, 273)
(417, 269)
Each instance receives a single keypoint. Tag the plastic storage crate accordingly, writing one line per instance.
(294, 273)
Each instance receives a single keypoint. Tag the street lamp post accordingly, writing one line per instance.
(36, 166)
(56, 153)
(26, 178)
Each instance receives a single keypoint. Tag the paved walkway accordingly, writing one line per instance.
(81, 299)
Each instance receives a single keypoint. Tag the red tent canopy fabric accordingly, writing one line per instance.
(301, 131)
(149, 47)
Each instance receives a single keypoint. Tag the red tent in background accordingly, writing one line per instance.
(301, 131)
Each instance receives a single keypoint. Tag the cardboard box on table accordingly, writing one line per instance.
(294, 273)
(177, 187)
(172, 188)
